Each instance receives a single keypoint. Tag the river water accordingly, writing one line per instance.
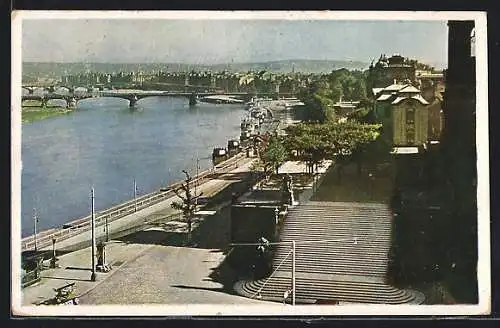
(105, 144)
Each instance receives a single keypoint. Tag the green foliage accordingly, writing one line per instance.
(318, 100)
(274, 154)
(323, 91)
(340, 141)
(32, 114)
(362, 115)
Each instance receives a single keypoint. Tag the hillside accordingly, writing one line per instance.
(56, 70)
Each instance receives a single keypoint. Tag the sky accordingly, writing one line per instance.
(225, 41)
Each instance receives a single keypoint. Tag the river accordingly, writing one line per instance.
(105, 144)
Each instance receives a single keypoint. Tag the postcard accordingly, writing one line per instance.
(274, 163)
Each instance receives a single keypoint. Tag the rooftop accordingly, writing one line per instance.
(409, 88)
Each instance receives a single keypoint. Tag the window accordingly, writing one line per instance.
(410, 116)
(410, 136)
(410, 126)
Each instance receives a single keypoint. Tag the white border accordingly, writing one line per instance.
(484, 273)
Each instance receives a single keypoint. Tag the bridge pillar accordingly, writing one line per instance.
(213, 83)
(132, 101)
(70, 102)
(192, 99)
(186, 83)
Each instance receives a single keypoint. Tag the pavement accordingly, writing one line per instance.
(166, 275)
(75, 267)
(147, 266)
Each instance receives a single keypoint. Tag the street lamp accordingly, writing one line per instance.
(35, 221)
(93, 275)
(135, 196)
(53, 259)
(106, 227)
(196, 182)
(293, 272)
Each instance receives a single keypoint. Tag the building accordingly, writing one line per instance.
(386, 70)
(442, 178)
(404, 114)
(458, 163)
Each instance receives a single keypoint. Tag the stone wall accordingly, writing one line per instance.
(250, 222)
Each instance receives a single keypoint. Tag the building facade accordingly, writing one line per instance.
(404, 114)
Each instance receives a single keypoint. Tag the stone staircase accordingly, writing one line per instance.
(342, 254)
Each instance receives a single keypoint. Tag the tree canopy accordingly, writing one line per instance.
(274, 154)
(316, 142)
(320, 94)
(271, 152)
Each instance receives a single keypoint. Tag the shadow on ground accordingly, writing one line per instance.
(212, 233)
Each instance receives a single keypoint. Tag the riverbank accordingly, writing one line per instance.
(210, 234)
(30, 114)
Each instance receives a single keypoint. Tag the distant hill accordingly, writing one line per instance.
(56, 70)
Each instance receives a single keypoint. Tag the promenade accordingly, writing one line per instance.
(134, 239)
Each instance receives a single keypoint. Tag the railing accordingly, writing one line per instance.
(30, 278)
(81, 225)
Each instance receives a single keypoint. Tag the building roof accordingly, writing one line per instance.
(409, 88)
(376, 90)
(421, 99)
(384, 97)
(398, 100)
(395, 87)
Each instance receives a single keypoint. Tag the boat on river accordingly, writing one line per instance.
(221, 99)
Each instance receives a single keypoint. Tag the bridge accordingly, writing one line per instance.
(72, 97)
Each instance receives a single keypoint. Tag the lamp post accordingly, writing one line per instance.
(106, 227)
(293, 272)
(93, 275)
(196, 183)
(135, 196)
(35, 221)
(53, 259)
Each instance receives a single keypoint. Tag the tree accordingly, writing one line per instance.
(188, 202)
(362, 115)
(342, 142)
(274, 154)
(271, 153)
(318, 100)
(359, 90)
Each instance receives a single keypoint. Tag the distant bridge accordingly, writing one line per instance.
(132, 96)
(72, 97)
